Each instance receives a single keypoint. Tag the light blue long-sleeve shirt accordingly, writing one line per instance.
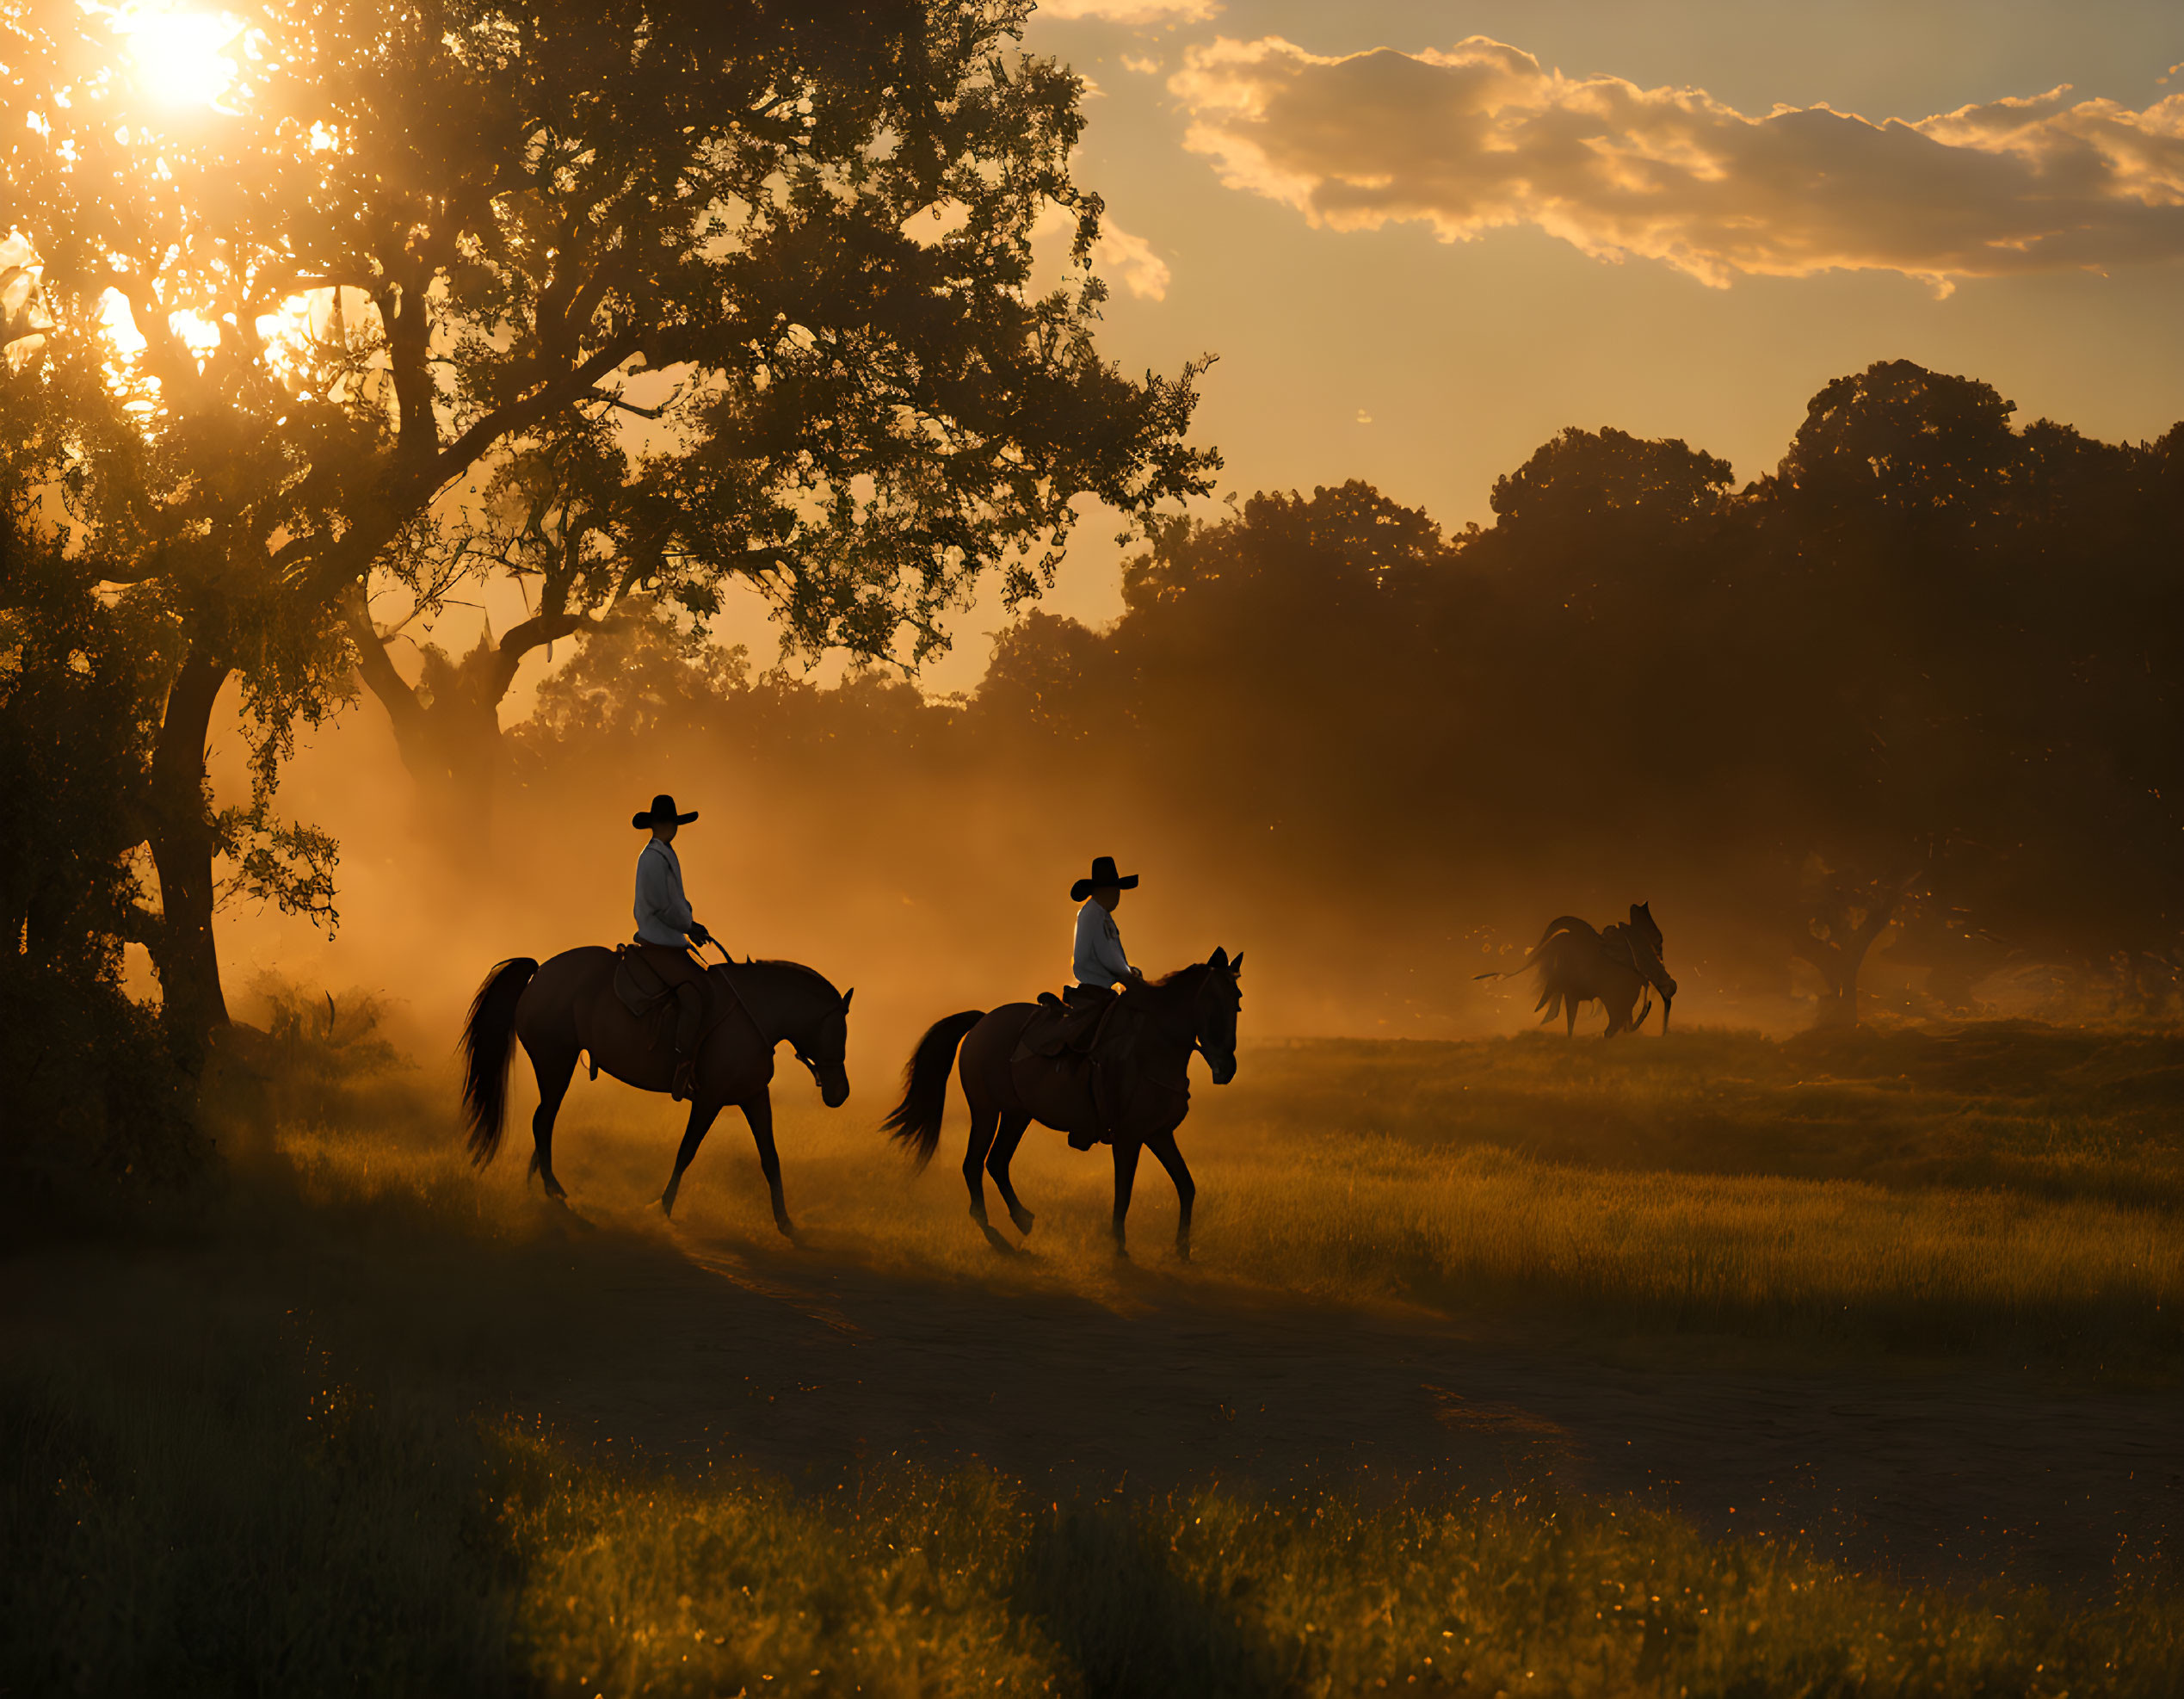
(663, 912)
(1099, 958)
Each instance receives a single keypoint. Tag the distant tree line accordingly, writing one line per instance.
(1922, 682)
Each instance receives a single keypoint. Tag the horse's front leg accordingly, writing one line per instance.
(701, 1119)
(759, 1112)
(1171, 1158)
(1125, 1177)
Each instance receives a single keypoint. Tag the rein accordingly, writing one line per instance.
(768, 1039)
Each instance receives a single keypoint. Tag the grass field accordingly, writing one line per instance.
(2007, 1189)
(246, 1519)
(216, 1496)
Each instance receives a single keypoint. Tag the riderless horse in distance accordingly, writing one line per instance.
(1130, 1087)
(1578, 965)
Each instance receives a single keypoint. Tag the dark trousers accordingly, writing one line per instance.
(687, 981)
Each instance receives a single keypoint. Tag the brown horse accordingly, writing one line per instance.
(1577, 965)
(1149, 1038)
(569, 1006)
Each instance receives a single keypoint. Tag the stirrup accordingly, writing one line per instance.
(685, 1081)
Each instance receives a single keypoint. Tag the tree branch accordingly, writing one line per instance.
(377, 668)
(519, 640)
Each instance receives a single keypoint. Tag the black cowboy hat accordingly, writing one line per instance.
(661, 811)
(1104, 873)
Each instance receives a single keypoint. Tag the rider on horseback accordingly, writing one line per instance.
(666, 929)
(1097, 961)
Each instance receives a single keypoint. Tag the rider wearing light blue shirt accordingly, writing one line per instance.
(666, 929)
(1098, 959)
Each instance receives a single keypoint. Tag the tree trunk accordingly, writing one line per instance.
(180, 836)
(1840, 1007)
(1853, 920)
(449, 732)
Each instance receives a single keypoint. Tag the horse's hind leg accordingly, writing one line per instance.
(759, 1112)
(1004, 1149)
(701, 1119)
(554, 1069)
(984, 1121)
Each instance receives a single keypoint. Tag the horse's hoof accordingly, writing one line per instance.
(667, 1205)
(995, 1238)
(1023, 1218)
(787, 1229)
(1182, 1253)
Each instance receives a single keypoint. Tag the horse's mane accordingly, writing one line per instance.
(811, 973)
(1179, 977)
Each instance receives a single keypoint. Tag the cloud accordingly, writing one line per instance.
(1481, 137)
(1132, 11)
(1117, 255)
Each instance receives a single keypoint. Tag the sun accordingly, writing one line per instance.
(186, 57)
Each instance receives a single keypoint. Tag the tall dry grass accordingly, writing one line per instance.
(2010, 1187)
(200, 1496)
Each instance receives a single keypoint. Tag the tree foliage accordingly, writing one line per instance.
(1917, 690)
(621, 300)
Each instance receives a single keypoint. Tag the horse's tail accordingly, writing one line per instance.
(488, 1046)
(916, 1123)
(1561, 922)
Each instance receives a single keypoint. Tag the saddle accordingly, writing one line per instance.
(637, 985)
(1077, 1049)
(1068, 1026)
(639, 988)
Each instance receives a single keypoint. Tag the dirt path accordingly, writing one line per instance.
(811, 1360)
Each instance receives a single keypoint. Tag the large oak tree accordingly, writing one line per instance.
(616, 297)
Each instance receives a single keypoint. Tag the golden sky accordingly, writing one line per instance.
(1424, 237)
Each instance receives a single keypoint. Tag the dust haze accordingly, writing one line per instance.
(1883, 732)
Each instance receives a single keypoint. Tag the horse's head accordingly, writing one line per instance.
(1643, 924)
(824, 1047)
(1216, 1008)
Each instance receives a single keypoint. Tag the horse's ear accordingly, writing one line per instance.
(1236, 963)
(1219, 960)
(846, 996)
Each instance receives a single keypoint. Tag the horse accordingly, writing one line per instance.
(1150, 1036)
(1578, 965)
(569, 1006)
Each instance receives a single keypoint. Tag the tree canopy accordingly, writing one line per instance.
(618, 299)
(1919, 684)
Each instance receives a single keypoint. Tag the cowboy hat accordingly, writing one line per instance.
(1104, 873)
(661, 811)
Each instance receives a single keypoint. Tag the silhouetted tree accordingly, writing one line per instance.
(93, 1079)
(611, 298)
